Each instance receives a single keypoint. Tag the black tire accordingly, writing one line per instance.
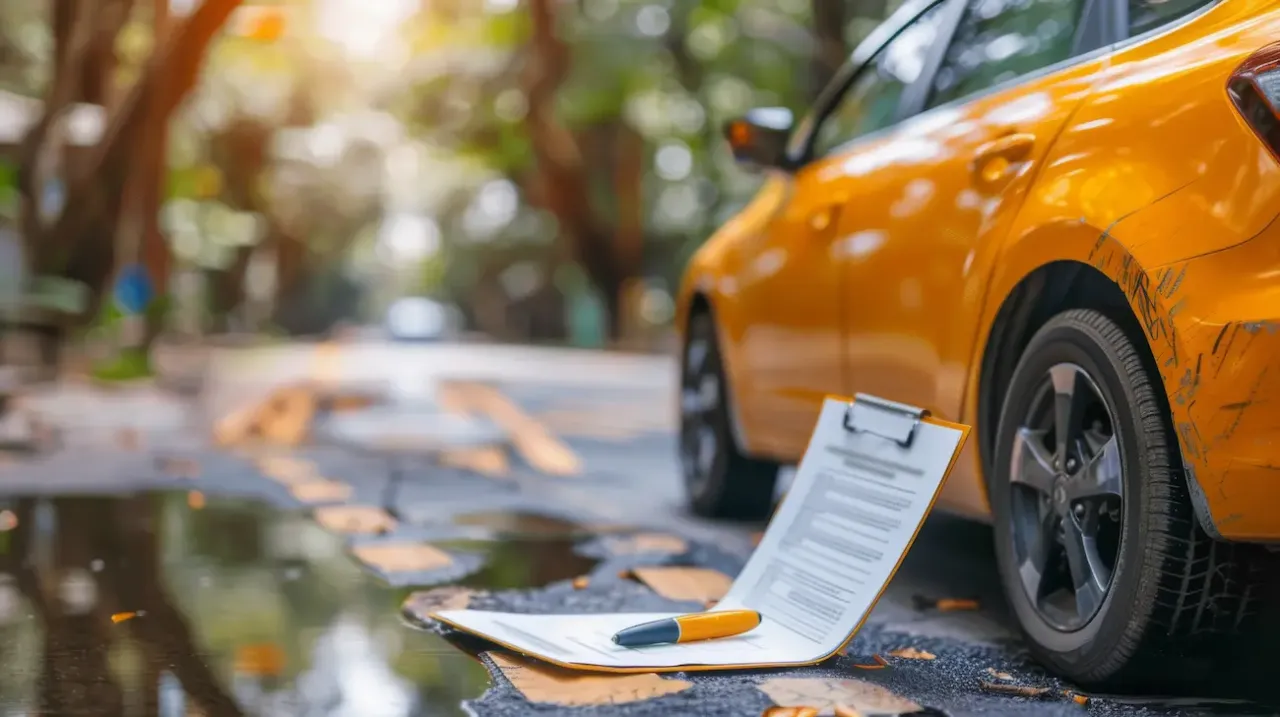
(720, 481)
(1173, 593)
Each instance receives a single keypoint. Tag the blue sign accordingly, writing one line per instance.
(133, 289)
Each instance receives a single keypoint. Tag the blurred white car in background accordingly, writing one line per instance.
(417, 318)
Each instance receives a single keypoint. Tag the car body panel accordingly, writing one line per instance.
(1154, 180)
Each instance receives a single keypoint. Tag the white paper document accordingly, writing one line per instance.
(856, 502)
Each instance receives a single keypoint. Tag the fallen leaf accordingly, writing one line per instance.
(321, 491)
(824, 694)
(287, 470)
(284, 416)
(845, 711)
(402, 557)
(581, 582)
(912, 653)
(195, 500)
(1076, 697)
(287, 418)
(922, 603)
(122, 616)
(777, 711)
(265, 660)
(355, 519)
(999, 675)
(424, 602)
(544, 683)
(880, 664)
(683, 583)
(1015, 690)
(647, 543)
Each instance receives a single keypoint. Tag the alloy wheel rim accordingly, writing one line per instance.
(699, 395)
(1067, 488)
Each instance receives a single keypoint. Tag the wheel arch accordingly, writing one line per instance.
(1038, 296)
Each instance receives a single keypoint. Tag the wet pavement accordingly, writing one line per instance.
(166, 577)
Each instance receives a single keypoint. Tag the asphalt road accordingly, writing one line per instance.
(505, 478)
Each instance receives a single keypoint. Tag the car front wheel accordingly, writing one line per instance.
(719, 479)
(1107, 570)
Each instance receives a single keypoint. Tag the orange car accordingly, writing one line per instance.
(1053, 220)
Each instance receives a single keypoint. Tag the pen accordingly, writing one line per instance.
(686, 628)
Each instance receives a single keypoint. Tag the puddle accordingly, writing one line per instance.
(236, 609)
(521, 563)
(515, 523)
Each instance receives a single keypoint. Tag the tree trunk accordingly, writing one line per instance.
(830, 51)
(563, 183)
(80, 243)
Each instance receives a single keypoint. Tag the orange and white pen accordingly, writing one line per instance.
(687, 628)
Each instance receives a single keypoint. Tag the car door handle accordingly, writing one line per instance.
(994, 160)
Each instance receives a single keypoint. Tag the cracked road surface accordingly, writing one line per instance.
(164, 576)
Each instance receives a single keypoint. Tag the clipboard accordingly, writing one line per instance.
(870, 475)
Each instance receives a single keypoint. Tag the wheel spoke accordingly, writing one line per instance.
(1101, 476)
(1071, 393)
(1031, 569)
(1031, 461)
(706, 450)
(696, 357)
(1089, 576)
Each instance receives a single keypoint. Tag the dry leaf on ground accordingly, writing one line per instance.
(581, 582)
(999, 675)
(777, 711)
(402, 557)
(647, 543)
(321, 491)
(824, 694)
(195, 500)
(122, 616)
(1015, 690)
(923, 603)
(355, 519)
(424, 602)
(1076, 697)
(880, 664)
(540, 682)
(912, 653)
(682, 583)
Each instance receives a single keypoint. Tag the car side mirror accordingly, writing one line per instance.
(759, 137)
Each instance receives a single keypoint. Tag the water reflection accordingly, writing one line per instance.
(237, 611)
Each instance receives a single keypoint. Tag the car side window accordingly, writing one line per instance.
(871, 102)
(998, 40)
(1147, 15)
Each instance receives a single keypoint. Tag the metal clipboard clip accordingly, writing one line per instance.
(887, 419)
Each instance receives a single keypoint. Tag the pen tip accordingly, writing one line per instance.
(615, 639)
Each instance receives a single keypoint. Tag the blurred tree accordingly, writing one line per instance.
(77, 240)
